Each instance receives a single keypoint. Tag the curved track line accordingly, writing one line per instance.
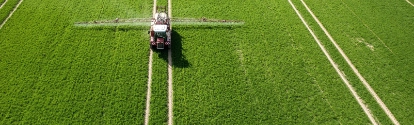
(11, 13)
(170, 77)
(148, 101)
(409, 2)
(354, 93)
(3, 4)
(362, 79)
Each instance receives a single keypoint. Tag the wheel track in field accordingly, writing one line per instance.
(148, 101)
(4, 3)
(356, 72)
(335, 66)
(410, 3)
(10, 14)
(170, 76)
(170, 89)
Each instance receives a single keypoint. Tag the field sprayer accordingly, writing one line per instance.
(160, 25)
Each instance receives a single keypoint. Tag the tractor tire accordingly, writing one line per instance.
(169, 46)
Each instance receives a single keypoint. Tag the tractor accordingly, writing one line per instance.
(160, 31)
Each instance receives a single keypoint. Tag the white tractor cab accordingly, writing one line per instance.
(160, 32)
(161, 35)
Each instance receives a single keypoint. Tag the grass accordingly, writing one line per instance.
(386, 69)
(353, 79)
(54, 73)
(158, 112)
(7, 8)
(267, 71)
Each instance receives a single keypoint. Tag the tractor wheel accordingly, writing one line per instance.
(169, 46)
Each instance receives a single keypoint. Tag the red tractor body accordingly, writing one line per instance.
(160, 32)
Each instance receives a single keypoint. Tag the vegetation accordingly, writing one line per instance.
(159, 109)
(54, 73)
(6, 9)
(268, 70)
(377, 46)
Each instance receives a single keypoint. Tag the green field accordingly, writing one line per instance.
(54, 73)
(7, 7)
(268, 71)
(387, 66)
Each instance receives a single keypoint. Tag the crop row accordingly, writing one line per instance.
(343, 66)
(267, 71)
(7, 8)
(158, 112)
(55, 73)
(378, 49)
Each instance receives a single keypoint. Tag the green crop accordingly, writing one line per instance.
(54, 73)
(7, 8)
(376, 45)
(266, 70)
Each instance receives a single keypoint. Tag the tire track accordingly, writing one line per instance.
(148, 101)
(410, 3)
(147, 108)
(11, 13)
(170, 90)
(1, 6)
(361, 78)
(354, 93)
(170, 77)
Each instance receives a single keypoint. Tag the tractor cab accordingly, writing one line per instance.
(160, 35)
(160, 30)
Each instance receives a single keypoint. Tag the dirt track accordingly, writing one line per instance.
(170, 75)
(148, 101)
(170, 89)
(409, 2)
(361, 78)
(170, 86)
(354, 93)
(3, 4)
(147, 108)
(11, 13)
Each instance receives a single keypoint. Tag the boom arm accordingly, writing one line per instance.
(205, 21)
(146, 22)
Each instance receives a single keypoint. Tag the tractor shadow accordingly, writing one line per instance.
(178, 58)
